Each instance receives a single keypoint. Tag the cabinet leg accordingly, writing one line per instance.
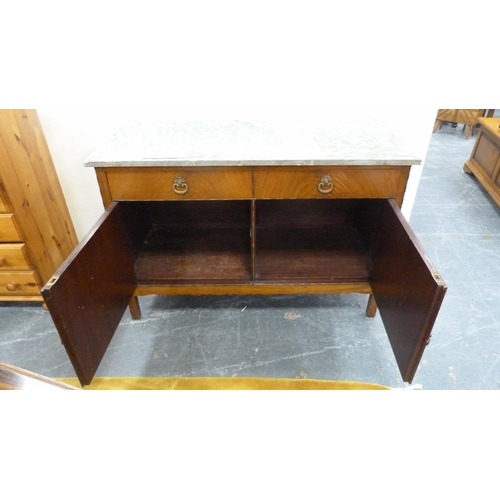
(466, 169)
(371, 308)
(135, 308)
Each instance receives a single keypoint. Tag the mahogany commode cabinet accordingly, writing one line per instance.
(235, 207)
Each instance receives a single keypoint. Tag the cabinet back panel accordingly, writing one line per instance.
(304, 213)
(199, 213)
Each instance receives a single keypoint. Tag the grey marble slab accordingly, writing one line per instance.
(251, 143)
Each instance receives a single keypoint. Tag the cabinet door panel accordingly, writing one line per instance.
(407, 288)
(89, 294)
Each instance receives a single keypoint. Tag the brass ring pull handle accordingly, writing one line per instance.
(325, 185)
(180, 185)
(12, 286)
(2, 261)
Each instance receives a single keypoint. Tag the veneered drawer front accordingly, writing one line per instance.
(333, 182)
(8, 231)
(18, 283)
(179, 184)
(13, 257)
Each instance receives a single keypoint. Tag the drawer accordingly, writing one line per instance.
(8, 230)
(179, 184)
(331, 182)
(13, 257)
(18, 283)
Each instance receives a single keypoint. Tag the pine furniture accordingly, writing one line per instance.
(36, 231)
(468, 117)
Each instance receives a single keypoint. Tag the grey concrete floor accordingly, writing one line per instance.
(320, 337)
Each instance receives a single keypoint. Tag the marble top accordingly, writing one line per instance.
(251, 143)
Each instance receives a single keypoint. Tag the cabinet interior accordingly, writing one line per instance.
(314, 241)
(196, 242)
(252, 241)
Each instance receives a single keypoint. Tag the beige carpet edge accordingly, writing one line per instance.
(219, 383)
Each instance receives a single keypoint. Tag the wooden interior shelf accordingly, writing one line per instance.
(193, 255)
(196, 242)
(309, 241)
(293, 241)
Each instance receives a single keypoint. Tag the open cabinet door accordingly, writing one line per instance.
(407, 288)
(89, 294)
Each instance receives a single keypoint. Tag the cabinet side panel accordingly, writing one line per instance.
(406, 286)
(486, 154)
(89, 294)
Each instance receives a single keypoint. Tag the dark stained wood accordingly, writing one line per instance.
(311, 255)
(304, 213)
(407, 288)
(196, 242)
(253, 237)
(195, 255)
(199, 214)
(308, 241)
(89, 294)
(209, 247)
